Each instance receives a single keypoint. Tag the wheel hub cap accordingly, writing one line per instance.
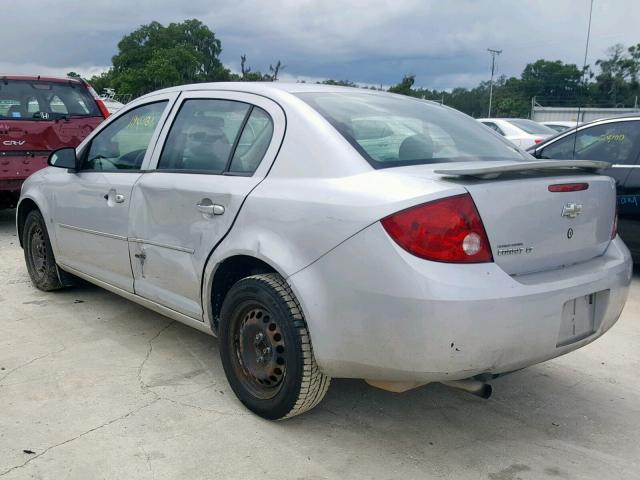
(260, 349)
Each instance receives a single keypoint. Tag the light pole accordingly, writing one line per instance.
(493, 54)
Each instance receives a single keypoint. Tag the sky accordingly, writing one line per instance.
(443, 43)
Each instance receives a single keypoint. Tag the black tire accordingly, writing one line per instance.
(266, 350)
(38, 255)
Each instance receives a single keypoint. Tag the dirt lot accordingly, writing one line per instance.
(93, 386)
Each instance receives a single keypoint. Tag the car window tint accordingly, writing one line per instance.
(493, 126)
(202, 135)
(611, 142)
(394, 130)
(123, 144)
(253, 142)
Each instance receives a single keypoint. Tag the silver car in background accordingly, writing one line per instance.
(332, 232)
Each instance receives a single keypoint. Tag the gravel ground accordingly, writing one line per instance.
(93, 386)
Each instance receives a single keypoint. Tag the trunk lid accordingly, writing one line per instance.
(531, 228)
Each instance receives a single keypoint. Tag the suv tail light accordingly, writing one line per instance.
(103, 108)
(445, 230)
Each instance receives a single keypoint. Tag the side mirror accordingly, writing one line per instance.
(63, 158)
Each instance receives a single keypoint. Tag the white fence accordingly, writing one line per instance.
(544, 114)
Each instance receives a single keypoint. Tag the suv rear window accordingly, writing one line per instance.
(391, 131)
(41, 100)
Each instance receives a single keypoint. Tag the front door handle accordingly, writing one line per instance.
(210, 209)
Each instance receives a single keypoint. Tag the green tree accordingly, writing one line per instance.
(73, 75)
(617, 81)
(154, 56)
(405, 86)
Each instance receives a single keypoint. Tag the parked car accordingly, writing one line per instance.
(323, 232)
(615, 140)
(39, 115)
(111, 105)
(519, 131)
(560, 125)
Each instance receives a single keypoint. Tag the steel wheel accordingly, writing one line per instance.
(266, 349)
(38, 251)
(259, 347)
(38, 254)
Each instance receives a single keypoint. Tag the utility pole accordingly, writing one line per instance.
(493, 54)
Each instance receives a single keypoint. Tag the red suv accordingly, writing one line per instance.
(38, 115)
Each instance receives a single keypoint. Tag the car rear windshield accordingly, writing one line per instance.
(529, 126)
(42, 100)
(392, 131)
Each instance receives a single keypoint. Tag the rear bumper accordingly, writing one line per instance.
(15, 169)
(392, 316)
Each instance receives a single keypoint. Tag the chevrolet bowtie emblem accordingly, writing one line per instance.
(572, 210)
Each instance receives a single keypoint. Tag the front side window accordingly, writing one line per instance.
(391, 131)
(615, 142)
(122, 145)
(216, 136)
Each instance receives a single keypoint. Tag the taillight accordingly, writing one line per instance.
(445, 230)
(102, 107)
(537, 141)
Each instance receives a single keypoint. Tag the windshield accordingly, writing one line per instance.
(391, 131)
(41, 100)
(529, 126)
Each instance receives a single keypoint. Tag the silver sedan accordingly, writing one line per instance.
(332, 232)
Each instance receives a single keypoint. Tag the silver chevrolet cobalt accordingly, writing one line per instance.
(332, 232)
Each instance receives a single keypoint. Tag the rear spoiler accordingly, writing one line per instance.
(496, 170)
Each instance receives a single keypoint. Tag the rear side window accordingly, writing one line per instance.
(216, 136)
(493, 126)
(531, 127)
(616, 142)
(392, 131)
(41, 100)
(253, 142)
(123, 143)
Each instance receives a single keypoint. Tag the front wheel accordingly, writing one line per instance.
(266, 350)
(38, 255)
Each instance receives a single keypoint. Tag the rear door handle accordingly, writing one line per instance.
(117, 197)
(212, 209)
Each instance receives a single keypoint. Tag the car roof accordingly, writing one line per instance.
(41, 78)
(503, 119)
(268, 88)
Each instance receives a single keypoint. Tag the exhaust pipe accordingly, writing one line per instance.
(475, 387)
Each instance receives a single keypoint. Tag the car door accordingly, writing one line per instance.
(617, 142)
(91, 212)
(219, 147)
(629, 210)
